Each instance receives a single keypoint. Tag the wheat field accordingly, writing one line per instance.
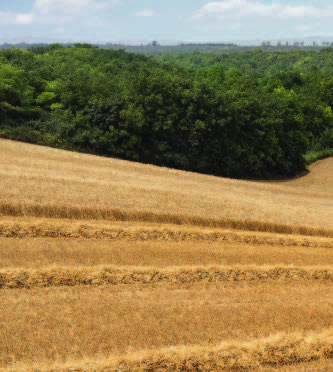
(110, 265)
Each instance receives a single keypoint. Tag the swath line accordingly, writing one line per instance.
(277, 350)
(54, 211)
(116, 275)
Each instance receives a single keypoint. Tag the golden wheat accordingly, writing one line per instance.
(139, 231)
(113, 275)
(276, 350)
(64, 212)
(321, 365)
(42, 252)
(37, 181)
(61, 323)
(101, 258)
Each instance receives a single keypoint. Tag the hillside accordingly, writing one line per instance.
(52, 179)
(108, 264)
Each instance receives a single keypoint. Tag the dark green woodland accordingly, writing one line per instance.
(257, 114)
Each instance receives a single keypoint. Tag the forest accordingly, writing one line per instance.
(255, 115)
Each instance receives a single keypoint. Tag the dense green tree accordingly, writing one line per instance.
(16, 95)
(252, 114)
(326, 90)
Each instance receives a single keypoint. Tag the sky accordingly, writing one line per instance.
(167, 21)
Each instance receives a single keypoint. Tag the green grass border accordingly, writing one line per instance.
(312, 156)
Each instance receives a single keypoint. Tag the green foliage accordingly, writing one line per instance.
(326, 90)
(256, 114)
(311, 156)
(16, 95)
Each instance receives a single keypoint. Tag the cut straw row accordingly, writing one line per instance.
(57, 211)
(115, 275)
(74, 230)
(277, 350)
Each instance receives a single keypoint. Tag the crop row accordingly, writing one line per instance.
(56, 211)
(114, 275)
(153, 233)
(274, 351)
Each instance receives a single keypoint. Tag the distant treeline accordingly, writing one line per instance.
(154, 48)
(208, 44)
(256, 114)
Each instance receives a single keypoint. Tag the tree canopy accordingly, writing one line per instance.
(252, 115)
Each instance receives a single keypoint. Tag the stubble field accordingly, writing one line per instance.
(110, 265)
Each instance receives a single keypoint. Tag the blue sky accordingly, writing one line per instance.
(163, 20)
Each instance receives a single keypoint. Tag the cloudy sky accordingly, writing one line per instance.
(163, 20)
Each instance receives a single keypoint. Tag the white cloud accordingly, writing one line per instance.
(145, 13)
(62, 7)
(71, 7)
(298, 11)
(258, 18)
(56, 12)
(24, 19)
(237, 8)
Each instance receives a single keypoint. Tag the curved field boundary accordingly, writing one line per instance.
(76, 230)
(277, 350)
(115, 275)
(53, 211)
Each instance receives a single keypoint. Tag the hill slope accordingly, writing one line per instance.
(113, 265)
(33, 175)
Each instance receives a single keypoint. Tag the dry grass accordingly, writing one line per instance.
(60, 228)
(319, 179)
(42, 252)
(115, 275)
(46, 325)
(65, 212)
(113, 265)
(321, 365)
(280, 349)
(38, 181)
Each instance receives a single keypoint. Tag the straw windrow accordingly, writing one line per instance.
(277, 350)
(115, 275)
(77, 213)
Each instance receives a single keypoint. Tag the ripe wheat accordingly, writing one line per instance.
(58, 212)
(113, 275)
(45, 182)
(275, 351)
(173, 241)
(52, 228)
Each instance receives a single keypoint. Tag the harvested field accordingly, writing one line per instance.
(273, 351)
(44, 252)
(55, 323)
(21, 228)
(113, 265)
(115, 275)
(39, 181)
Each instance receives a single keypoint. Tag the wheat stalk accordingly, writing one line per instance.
(276, 350)
(115, 275)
